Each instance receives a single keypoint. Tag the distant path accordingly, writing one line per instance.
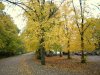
(94, 58)
(89, 58)
(24, 65)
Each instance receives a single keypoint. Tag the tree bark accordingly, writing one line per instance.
(60, 54)
(43, 56)
(69, 56)
(42, 49)
(83, 60)
(42, 37)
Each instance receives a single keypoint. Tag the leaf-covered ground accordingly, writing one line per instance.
(26, 64)
(92, 67)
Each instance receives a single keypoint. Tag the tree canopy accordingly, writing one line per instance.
(10, 42)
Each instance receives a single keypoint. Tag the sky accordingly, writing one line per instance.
(17, 13)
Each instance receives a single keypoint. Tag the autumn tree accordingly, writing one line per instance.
(84, 27)
(66, 15)
(42, 19)
(36, 10)
(9, 39)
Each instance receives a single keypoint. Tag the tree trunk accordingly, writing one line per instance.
(83, 60)
(43, 55)
(69, 56)
(42, 36)
(42, 49)
(60, 54)
(56, 53)
(38, 54)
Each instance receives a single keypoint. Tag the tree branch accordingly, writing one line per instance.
(76, 18)
(21, 6)
(88, 40)
(86, 27)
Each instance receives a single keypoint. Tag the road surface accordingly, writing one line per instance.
(24, 65)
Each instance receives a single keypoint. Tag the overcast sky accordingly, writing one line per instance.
(16, 12)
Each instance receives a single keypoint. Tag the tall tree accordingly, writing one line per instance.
(41, 16)
(67, 10)
(9, 39)
(83, 25)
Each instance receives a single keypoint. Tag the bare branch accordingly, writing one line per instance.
(15, 3)
(97, 6)
(20, 4)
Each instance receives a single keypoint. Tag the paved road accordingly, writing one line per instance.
(24, 65)
(89, 58)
